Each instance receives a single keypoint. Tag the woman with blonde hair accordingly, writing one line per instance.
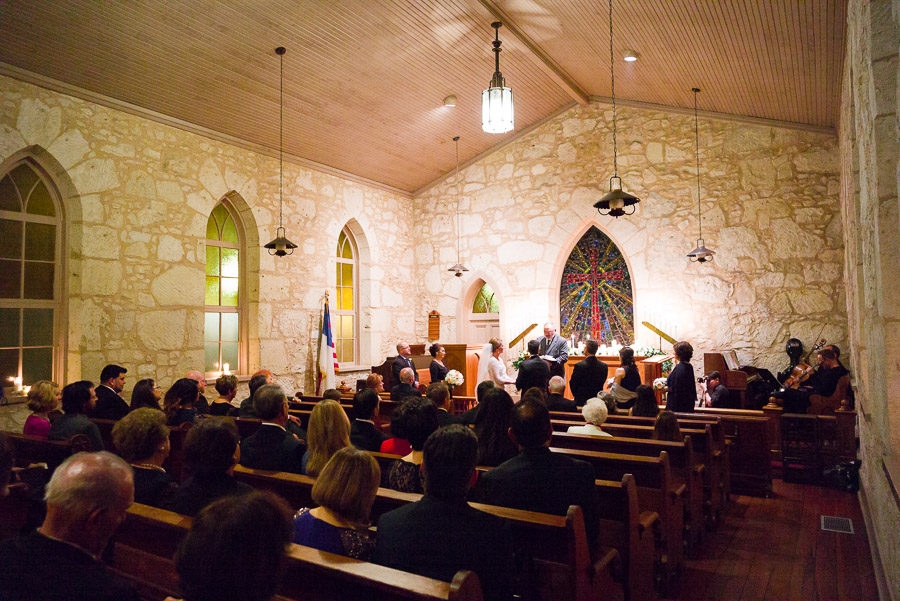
(43, 398)
(344, 491)
(328, 432)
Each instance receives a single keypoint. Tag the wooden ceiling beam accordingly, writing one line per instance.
(535, 53)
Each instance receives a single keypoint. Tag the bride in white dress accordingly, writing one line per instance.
(491, 367)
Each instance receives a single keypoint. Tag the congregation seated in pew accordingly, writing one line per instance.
(257, 381)
(364, 434)
(555, 400)
(492, 425)
(226, 386)
(666, 427)
(406, 385)
(180, 402)
(329, 431)
(417, 419)
(439, 394)
(146, 393)
(78, 399)
(272, 447)
(142, 439)
(595, 413)
(645, 402)
(44, 397)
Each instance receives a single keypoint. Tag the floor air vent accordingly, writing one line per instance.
(833, 524)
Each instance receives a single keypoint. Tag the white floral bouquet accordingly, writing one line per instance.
(454, 378)
(659, 384)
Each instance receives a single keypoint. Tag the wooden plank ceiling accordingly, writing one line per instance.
(364, 80)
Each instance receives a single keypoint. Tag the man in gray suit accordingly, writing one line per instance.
(554, 349)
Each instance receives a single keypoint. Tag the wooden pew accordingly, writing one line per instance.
(750, 435)
(557, 544)
(144, 545)
(34, 449)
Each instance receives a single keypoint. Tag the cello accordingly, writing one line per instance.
(803, 370)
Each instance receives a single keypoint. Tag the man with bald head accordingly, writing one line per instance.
(406, 387)
(402, 360)
(554, 349)
(87, 499)
(202, 405)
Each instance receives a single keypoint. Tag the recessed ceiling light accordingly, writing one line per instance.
(631, 56)
(450, 100)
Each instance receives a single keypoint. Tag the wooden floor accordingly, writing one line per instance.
(774, 549)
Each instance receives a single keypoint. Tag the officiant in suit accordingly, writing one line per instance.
(554, 349)
(401, 361)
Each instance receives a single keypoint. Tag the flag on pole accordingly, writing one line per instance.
(327, 355)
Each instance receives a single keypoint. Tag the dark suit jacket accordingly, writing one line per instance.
(533, 372)
(271, 448)
(37, 568)
(399, 363)
(540, 480)
(587, 380)
(436, 538)
(557, 402)
(200, 490)
(69, 424)
(365, 436)
(468, 418)
(109, 404)
(403, 390)
(448, 419)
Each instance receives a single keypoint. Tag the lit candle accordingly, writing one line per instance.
(225, 367)
(26, 389)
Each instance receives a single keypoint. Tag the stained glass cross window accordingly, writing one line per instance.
(595, 298)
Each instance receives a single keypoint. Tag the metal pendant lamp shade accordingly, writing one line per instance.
(701, 254)
(616, 201)
(497, 114)
(281, 246)
(459, 268)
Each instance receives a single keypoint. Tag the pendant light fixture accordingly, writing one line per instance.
(701, 254)
(281, 246)
(615, 201)
(459, 268)
(497, 100)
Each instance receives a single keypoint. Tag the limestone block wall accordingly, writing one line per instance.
(137, 195)
(869, 129)
(770, 210)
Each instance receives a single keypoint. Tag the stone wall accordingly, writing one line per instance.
(770, 211)
(869, 130)
(137, 196)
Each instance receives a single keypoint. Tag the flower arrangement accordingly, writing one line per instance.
(649, 351)
(454, 378)
(523, 354)
(659, 384)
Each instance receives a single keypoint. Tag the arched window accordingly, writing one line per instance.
(345, 320)
(485, 301)
(595, 298)
(30, 235)
(223, 324)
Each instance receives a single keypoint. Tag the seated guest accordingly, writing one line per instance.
(142, 439)
(537, 479)
(375, 382)
(334, 394)
(87, 498)
(437, 369)
(406, 387)
(626, 380)
(146, 393)
(645, 403)
(595, 413)
(256, 382)
(555, 400)
(179, 402)
(535, 393)
(201, 405)
(364, 434)
(681, 385)
(78, 399)
(666, 428)
(329, 431)
(480, 390)
(589, 375)
(492, 428)
(44, 397)
(272, 447)
(226, 386)
(344, 491)
(441, 533)
(533, 371)
(234, 549)
(211, 451)
(418, 419)
(439, 394)
(715, 394)
(109, 404)
(398, 444)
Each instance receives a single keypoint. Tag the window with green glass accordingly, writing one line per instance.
(485, 301)
(29, 252)
(222, 322)
(344, 314)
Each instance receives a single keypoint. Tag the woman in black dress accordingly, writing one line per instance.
(418, 419)
(680, 383)
(626, 380)
(437, 368)
(226, 386)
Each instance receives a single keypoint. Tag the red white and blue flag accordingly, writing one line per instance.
(327, 355)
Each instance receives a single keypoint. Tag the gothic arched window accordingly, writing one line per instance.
(595, 298)
(223, 326)
(30, 240)
(345, 315)
(485, 301)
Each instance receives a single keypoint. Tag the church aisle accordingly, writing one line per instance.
(774, 550)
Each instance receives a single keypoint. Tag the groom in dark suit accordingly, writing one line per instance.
(533, 371)
(554, 349)
(401, 361)
(588, 376)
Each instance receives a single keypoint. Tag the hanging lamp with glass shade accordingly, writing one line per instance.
(701, 254)
(497, 101)
(281, 246)
(459, 268)
(616, 200)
